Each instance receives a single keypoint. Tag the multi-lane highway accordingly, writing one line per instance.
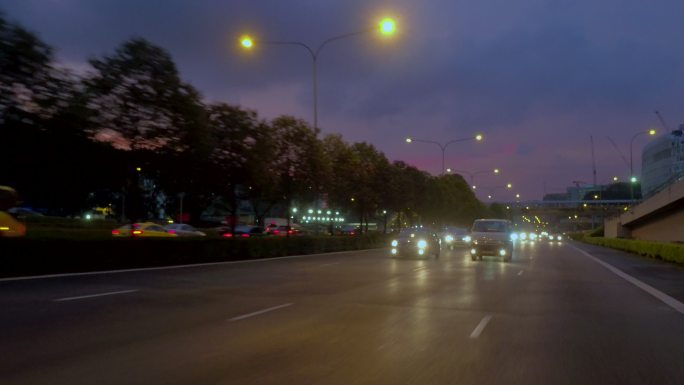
(557, 314)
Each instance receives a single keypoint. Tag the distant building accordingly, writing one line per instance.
(555, 197)
(662, 162)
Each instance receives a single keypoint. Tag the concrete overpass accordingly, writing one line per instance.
(658, 218)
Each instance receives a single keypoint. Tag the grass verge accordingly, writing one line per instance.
(671, 252)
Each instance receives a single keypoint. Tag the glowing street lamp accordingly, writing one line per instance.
(443, 146)
(246, 42)
(386, 27)
(472, 175)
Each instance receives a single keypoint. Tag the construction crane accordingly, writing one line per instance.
(662, 121)
(577, 183)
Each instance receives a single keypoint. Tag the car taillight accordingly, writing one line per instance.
(172, 231)
(228, 235)
(116, 232)
(137, 232)
(352, 233)
(245, 235)
(276, 232)
(290, 232)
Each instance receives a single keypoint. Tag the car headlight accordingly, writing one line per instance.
(558, 238)
(523, 236)
(467, 239)
(514, 237)
(533, 236)
(550, 237)
(422, 244)
(449, 238)
(395, 243)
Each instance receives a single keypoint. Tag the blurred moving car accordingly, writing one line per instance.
(350, 230)
(23, 212)
(242, 231)
(9, 225)
(286, 230)
(492, 237)
(184, 230)
(455, 236)
(555, 237)
(142, 230)
(416, 242)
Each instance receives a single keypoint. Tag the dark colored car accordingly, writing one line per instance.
(242, 231)
(350, 230)
(286, 230)
(416, 242)
(455, 236)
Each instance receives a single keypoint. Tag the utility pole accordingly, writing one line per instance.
(593, 158)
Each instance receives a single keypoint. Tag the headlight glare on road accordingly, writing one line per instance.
(422, 244)
(449, 238)
(395, 243)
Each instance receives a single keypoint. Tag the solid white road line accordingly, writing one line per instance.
(330, 264)
(176, 266)
(260, 312)
(666, 299)
(94, 295)
(480, 327)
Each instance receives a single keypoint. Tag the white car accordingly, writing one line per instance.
(183, 230)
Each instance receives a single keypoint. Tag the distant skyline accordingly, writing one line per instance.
(536, 77)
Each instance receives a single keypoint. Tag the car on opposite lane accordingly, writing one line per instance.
(142, 230)
(184, 230)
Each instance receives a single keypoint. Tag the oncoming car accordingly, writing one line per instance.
(455, 236)
(142, 230)
(492, 237)
(416, 242)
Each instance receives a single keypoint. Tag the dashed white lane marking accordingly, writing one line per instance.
(260, 312)
(520, 272)
(666, 299)
(480, 327)
(94, 295)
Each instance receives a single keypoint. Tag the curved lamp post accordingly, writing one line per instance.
(386, 27)
(443, 146)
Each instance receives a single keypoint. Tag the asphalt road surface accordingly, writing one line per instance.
(557, 314)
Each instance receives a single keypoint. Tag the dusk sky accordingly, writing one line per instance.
(536, 77)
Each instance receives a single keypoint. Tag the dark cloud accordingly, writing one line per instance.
(537, 76)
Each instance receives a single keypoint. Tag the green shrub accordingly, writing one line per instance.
(671, 252)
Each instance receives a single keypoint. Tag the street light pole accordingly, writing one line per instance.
(444, 146)
(631, 160)
(387, 27)
(472, 175)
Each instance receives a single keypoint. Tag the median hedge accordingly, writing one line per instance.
(50, 256)
(671, 252)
